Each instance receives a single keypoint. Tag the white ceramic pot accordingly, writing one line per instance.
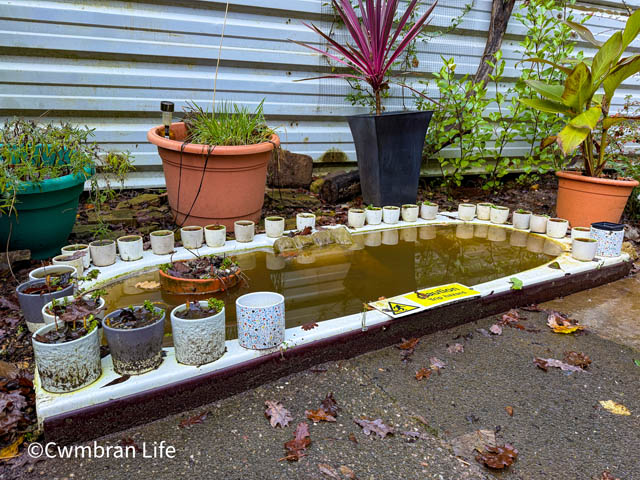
(50, 318)
(215, 235)
(198, 341)
(483, 210)
(466, 211)
(538, 223)
(69, 366)
(374, 216)
(130, 248)
(390, 237)
(428, 211)
(274, 227)
(521, 220)
(42, 272)
(499, 215)
(304, 220)
(410, 212)
(244, 230)
(103, 252)
(373, 239)
(580, 232)
(356, 217)
(66, 259)
(497, 234)
(464, 231)
(162, 242)
(390, 214)
(427, 233)
(192, 237)
(557, 227)
(261, 322)
(78, 247)
(584, 249)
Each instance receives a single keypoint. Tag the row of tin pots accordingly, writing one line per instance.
(69, 366)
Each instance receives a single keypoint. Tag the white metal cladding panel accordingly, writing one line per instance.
(109, 64)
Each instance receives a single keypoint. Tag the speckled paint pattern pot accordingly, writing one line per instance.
(610, 237)
(69, 366)
(198, 341)
(260, 320)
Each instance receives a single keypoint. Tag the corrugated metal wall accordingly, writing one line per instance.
(108, 64)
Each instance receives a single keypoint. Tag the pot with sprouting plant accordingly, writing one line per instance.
(75, 260)
(162, 242)
(198, 330)
(199, 276)
(78, 248)
(356, 217)
(590, 195)
(66, 308)
(538, 223)
(215, 164)
(42, 273)
(388, 144)
(410, 212)
(373, 215)
(34, 294)
(499, 214)
(134, 335)
(428, 210)
(390, 214)
(484, 211)
(521, 219)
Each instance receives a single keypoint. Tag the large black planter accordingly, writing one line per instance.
(389, 149)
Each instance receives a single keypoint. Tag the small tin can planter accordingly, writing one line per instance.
(103, 252)
(304, 220)
(410, 212)
(192, 237)
(215, 235)
(67, 259)
(198, 341)
(538, 223)
(466, 211)
(31, 304)
(65, 367)
(390, 214)
(274, 227)
(374, 215)
(41, 273)
(162, 242)
(245, 231)
(428, 210)
(136, 350)
(499, 215)
(483, 210)
(261, 321)
(609, 236)
(584, 249)
(580, 232)
(557, 227)
(356, 217)
(521, 219)
(130, 247)
(78, 247)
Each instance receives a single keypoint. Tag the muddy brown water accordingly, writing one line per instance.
(329, 282)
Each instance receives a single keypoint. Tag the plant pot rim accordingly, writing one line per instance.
(101, 304)
(526, 212)
(105, 243)
(195, 280)
(214, 226)
(54, 184)
(274, 218)
(74, 246)
(182, 306)
(129, 238)
(585, 240)
(30, 283)
(107, 327)
(52, 326)
(390, 114)
(280, 300)
(177, 146)
(579, 177)
(391, 207)
(409, 205)
(161, 233)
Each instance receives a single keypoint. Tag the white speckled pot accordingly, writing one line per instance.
(356, 218)
(274, 227)
(65, 367)
(162, 242)
(499, 215)
(67, 259)
(538, 223)
(374, 216)
(215, 235)
(521, 220)
(42, 272)
(390, 214)
(610, 237)
(49, 318)
(466, 211)
(198, 341)
(192, 237)
(428, 211)
(580, 232)
(130, 247)
(584, 249)
(78, 247)
(244, 231)
(557, 227)
(260, 320)
(304, 220)
(410, 212)
(103, 252)
(483, 210)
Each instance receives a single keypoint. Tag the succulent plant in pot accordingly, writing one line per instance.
(588, 196)
(199, 331)
(388, 144)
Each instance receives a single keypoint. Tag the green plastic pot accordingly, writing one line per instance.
(46, 213)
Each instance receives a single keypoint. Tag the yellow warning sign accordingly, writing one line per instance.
(444, 293)
(398, 308)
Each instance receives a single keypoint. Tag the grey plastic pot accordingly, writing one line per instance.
(31, 304)
(69, 366)
(198, 341)
(137, 350)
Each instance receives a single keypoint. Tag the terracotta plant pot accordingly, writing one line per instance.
(195, 286)
(585, 200)
(233, 182)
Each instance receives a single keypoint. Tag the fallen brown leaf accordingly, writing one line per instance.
(353, 438)
(496, 329)
(148, 285)
(191, 421)
(607, 476)
(509, 411)
(436, 364)
(277, 414)
(545, 363)
(309, 326)
(330, 405)
(374, 426)
(561, 324)
(328, 470)
(577, 359)
(319, 415)
(498, 457)
(347, 472)
(455, 348)
(296, 447)
(409, 344)
(423, 374)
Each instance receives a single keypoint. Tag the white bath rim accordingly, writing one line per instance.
(170, 371)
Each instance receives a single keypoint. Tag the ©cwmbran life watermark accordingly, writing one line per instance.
(94, 450)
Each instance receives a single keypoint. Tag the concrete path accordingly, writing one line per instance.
(558, 425)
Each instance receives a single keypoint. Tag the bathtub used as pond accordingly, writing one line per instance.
(325, 289)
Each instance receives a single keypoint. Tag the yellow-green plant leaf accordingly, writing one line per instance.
(606, 57)
(571, 137)
(552, 92)
(545, 105)
(548, 141)
(562, 68)
(620, 74)
(588, 119)
(609, 122)
(631, 30)
(584, 33)
(577, 87)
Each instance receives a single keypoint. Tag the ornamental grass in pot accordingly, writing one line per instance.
(134, 335)
(589, 195)
(215, 164)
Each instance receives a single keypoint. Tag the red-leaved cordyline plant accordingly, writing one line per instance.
(376, 41)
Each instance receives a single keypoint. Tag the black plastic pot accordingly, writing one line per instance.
(389, 149)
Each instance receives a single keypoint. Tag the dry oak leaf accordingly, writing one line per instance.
(607, 476)
(330, 405)
(423, 374)
(614, 407)
(545, 363)
(347, 472)
(309, 326)
(148, 285)
(319, 415)
(560, 324)
(409, 344)
(296, 447)
(436, 363)
(376, 426)
(578, 359)
(328, 470)
(455, 348)
(191, 421)
(277, 414)
(497, 457)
